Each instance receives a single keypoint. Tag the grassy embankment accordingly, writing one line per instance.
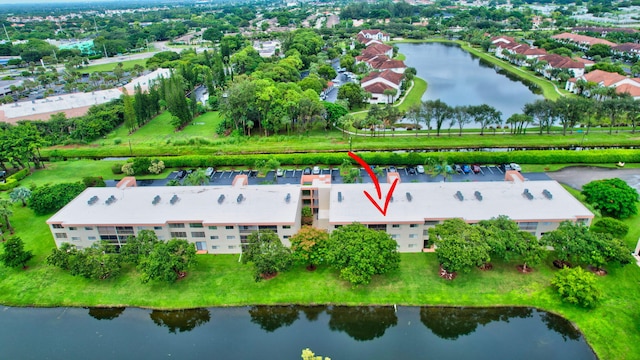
(220, 280)
(126, 65)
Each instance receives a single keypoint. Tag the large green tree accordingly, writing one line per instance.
(265, 250)
(14, 253)
(309, 246)
(168, 261)
(360, 253)
(613, 197)
(460, 246)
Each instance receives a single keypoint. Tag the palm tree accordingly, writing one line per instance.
(439, 167)
(20, 194)
(6, 212)
(198, 177)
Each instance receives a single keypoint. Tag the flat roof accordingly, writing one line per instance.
(438, 201)
(261, 205)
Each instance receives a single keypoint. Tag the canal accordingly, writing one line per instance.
(281, 332)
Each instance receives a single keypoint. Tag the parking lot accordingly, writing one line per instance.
(294, 175)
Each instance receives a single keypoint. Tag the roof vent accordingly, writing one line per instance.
(156, 200)
(220, 198)
(287, 198)
(110, 200)
(339, 196)
(174, 199)
(240, 198)
(527, 194)
(478, 195)
(459, 195)
(93, 200)
(547, 194)
(409, 197)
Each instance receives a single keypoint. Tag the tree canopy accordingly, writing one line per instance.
(360, 253)
(14, 253)
(265, 250)
(613, 197)
(309, 246)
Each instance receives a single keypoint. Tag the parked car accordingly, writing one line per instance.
(306, 171)
(466, 168)
(279, 173)
(412, 170)
(392, 169)
(209, 171)
(515, 167)
(475, 168)
(181, 174)
(458, 168)
(316, 170)
(420, 169)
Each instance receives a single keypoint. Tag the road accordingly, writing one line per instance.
(576, 176)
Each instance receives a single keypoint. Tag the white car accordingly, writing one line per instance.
(420, 169)
(209, 171)
(515, 167)
(279, 173)
(316, 170)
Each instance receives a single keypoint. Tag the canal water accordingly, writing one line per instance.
(281, 332)
(458, 78)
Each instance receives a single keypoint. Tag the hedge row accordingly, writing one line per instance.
(414, 158)
(12, 181)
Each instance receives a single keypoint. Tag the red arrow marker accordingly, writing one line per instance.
(377, 184)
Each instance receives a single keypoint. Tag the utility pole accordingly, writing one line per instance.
(105, 50)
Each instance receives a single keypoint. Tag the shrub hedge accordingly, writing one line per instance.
(12, 181)
(413, 158)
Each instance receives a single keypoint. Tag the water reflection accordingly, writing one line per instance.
(180, 320)
(271, 318)
(106, 313)
(560, 325)
(451, 322)
(362, 323)
(313, 312)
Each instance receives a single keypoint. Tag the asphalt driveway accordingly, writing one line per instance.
(576, 176)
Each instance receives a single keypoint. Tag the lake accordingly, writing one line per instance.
(458, 78)
(281, 332)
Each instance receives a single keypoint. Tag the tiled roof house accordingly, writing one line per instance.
(377, 82)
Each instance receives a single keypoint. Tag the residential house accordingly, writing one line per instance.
(375, 34)
(602, 78)
(555, 61)
(628, 51)
(377, 82)
(582, 41)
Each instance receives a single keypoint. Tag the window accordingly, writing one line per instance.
(88, 228)
(273, 228)
(394, 236)
(213, 237)
(176, 226)
(395, 226)
(195, 225)
(75, 238)
(157, 228)
(286, 226)
(91, 238)
(231, 237)
(231, 247)
(413, 225)
(528, 225)
(213, 228)
(73, 228)
(57, 226)
(411, 246)
(197, 234)
(413, 236)
(582, 221)
(431, 223)
(179, 234)
(201, 245)
(229, 227)
(61, 235)
(547, 223)
(379, 227)
(286, 237)
(214, 247)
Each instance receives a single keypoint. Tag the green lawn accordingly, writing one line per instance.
(127, 65)
(221, 280)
